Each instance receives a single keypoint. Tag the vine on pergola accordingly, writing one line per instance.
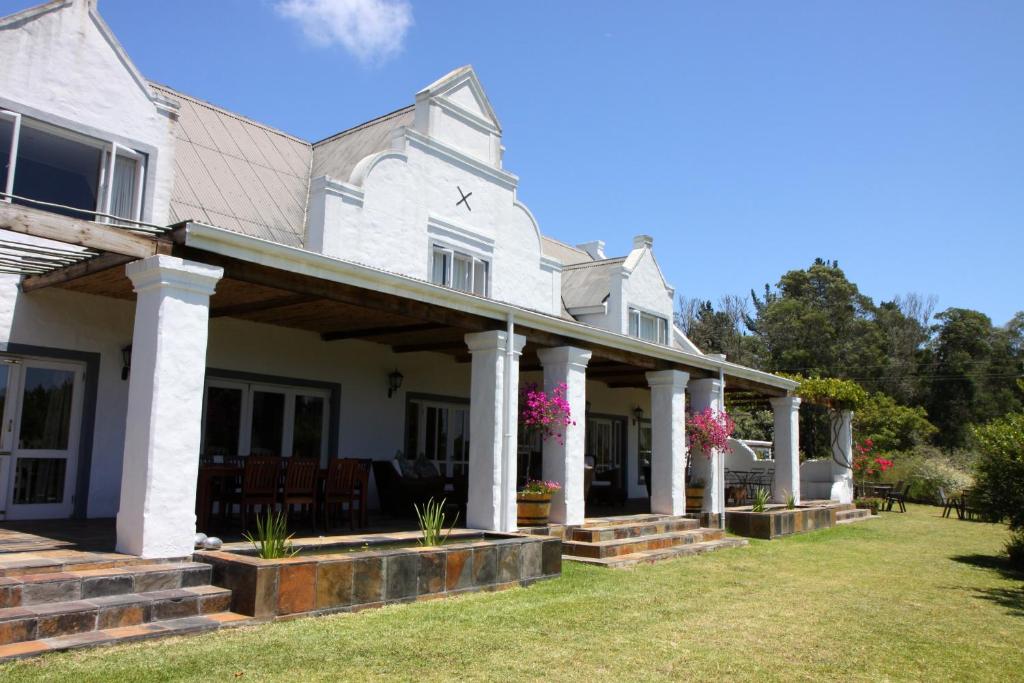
(835, 395)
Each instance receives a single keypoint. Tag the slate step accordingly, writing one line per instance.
(125, 634)
(607, 531)
(57, 619)
(625, 546)
(850, 516)
(49, 587)
(651, 556)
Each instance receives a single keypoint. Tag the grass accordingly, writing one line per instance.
(905, 597)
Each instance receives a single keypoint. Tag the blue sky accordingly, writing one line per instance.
(746, 137)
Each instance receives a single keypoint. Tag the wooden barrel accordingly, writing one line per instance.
(694, 499)
(532, 509)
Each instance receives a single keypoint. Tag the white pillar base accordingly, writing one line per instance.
(157, 517)
(563, 462)
(492, 492)
(668, 441)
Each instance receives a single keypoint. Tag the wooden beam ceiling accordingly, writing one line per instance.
(384, 331)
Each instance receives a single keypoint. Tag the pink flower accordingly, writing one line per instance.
(709, 430)
(545, 413)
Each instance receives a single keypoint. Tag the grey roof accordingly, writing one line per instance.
(238, 174)
(563, 252)
(337, 155)
(588, 284)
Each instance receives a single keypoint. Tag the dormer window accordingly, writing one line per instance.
(458, 270)
(649, 327)
(68, 173)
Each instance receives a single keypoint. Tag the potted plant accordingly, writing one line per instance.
(533, 503)
(544, 414)
(695, 494)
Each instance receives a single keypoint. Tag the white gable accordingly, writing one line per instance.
(455, 111)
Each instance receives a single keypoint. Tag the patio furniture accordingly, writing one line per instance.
(341, 490)
(261, 477)
(300, 486)
(949, 504)
(398, 493)
(215, 483)
(898, 496)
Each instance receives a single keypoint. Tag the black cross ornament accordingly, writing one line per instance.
(465, 198)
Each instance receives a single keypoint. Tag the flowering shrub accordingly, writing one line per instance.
(544, 413)
(866, 464)
(710, 430)
(543, 487)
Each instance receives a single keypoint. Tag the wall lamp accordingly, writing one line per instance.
(638, 414)
(394, 382)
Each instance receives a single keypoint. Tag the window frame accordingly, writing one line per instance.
(110, 150)
(450, 254)
(421, 404)
(637, 317)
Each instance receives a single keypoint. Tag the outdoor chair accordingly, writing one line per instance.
(898, 496)
(340, 490)
(300, 486)
(949, 504)
(260, 479)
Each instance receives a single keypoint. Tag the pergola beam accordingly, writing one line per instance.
(74, 271)
(369, 332)
(107, 238)
(259, 306)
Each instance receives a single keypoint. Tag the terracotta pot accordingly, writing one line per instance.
(532, 509)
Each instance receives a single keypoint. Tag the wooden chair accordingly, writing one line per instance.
(300, 486)
(260, 480)
(340, 489)
(949, 504)
(898, 496)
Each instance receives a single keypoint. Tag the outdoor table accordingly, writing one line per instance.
(209, 476)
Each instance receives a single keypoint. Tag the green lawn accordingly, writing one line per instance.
(906, 597)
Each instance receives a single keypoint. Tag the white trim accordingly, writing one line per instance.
(336, 188)
(252, 249)
(464, 115)
(472, 240)
(509, 180)
(13, 155)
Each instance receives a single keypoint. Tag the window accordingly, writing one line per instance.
(643, 448)
(438, 430)
(459, 271)
(648, 327)
(262, 419)
(57, 166)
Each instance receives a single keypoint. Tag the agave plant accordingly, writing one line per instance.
(272, 540)
(431, 519)
(761, 499)
(790, 501)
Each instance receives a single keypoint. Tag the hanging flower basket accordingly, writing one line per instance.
(709, 430)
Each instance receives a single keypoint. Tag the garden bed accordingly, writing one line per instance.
(778, 520)
(347, 573)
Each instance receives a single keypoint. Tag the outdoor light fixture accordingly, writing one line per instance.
(394, 382)
(126, 361)
(638, 414)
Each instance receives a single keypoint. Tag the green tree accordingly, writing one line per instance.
(891, 426)
(1000, 467)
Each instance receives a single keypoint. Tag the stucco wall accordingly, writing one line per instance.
(645, 289)
(62, 69)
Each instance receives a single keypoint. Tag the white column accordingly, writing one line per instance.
(157, 517)
(707, 393)
(563, 461)
(786, 447)
(492, 492)
(668, 441)
(841, 425)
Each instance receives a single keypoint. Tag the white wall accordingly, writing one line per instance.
(63, 68)
(645, 289)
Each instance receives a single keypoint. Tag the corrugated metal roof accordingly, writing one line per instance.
(337, 155)
(238, 174)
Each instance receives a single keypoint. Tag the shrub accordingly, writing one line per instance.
(1000, 468)
(927, 470)
(1015, 549)
(873, 504)
(272, 540)
(431, 520)
(891, 426)
(762, 497)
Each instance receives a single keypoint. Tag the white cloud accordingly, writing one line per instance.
(372, 30)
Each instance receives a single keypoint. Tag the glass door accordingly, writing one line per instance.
(42, 412)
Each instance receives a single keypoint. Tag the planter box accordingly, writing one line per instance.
(694, 499)
(346, 573)
(778, 521)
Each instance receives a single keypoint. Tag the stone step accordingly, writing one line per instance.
(650, 556)
(125, 634)
(850, 516)
(49, 587)
(25, 563)
(624, 546)
(593, 533)
(71, 617)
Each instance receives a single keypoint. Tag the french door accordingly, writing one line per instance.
(41, 404)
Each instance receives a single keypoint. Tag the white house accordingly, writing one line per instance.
(264, 291)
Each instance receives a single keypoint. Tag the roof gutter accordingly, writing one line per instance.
(263, 252)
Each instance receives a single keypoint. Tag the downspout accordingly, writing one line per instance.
(508, 422)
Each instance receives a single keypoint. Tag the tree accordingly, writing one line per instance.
(891, 426)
